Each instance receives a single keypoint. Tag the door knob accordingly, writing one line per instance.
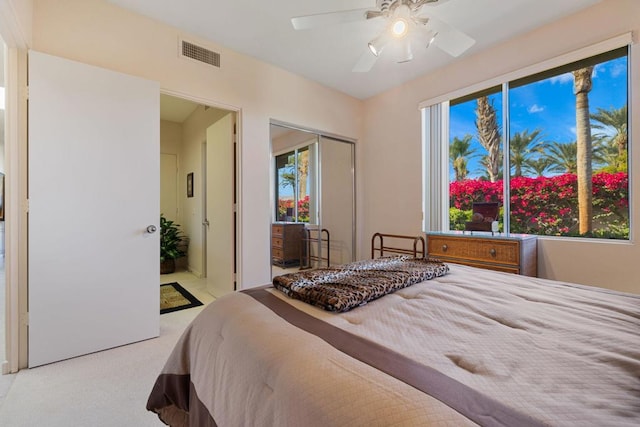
(151, 229)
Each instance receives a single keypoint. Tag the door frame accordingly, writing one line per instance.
(237, 244)
(204, 226)
(16, 42)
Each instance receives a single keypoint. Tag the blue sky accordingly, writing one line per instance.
(548, 105)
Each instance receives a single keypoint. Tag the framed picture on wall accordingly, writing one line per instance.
(190, 184)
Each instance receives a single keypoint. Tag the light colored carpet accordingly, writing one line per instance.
(108, 388)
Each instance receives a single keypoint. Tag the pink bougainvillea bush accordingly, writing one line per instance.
(303, 209)
(549, 205)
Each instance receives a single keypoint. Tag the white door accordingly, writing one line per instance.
(93, 190)
(220, 190)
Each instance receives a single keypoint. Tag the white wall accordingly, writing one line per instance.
(170, 137)
(391, 158)
(170, 143)
(98, 33)
(291, 140)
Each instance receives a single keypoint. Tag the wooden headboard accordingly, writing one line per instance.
(401, 245)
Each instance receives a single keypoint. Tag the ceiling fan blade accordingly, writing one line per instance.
(365, 63)
(429, 3)
(325, 19)
(371, 14)
(450, 40)
(406, 54)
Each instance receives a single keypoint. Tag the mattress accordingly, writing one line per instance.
(483, 347)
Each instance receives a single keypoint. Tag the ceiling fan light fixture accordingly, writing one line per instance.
(400, 21)
(376, 45)
(374, 49)
(403, 24)
(399, 28)
(431, 36)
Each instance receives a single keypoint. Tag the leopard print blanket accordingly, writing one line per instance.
(344, 287)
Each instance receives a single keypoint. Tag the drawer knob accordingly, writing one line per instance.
(492, 252)
(444, 248)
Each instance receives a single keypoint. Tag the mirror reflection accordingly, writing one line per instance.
(313, 223)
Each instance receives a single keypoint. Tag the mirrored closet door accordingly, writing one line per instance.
(313, 186)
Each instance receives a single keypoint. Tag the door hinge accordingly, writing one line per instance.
(25, 318)
(26, 93)
(26, 205)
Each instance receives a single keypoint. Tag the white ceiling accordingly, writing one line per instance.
(175, 109)
(262, 29)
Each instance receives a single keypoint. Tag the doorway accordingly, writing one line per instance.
(203, 143)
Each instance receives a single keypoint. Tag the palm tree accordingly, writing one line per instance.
(582, 83)
(485, 162)
(303, 173)
(537, 166)
(615, 120)
(287, 174)
(459, 152)
(521, 145)
(614, 140)
(606, 156)
(561, 157)
(489, 136)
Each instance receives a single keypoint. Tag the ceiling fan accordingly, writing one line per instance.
(406, 27)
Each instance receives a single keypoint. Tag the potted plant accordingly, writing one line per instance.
(170, 240)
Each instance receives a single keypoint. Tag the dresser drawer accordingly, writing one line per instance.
(277, 229)
(484, 250)
(516, 253)
(286, 242)
(277, 254)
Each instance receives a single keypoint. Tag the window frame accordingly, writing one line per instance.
(435, 133)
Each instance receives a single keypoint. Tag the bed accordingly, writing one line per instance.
(464, 347)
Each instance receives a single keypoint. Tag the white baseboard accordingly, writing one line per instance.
(195, 272)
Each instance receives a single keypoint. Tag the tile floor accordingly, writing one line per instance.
(195, 285)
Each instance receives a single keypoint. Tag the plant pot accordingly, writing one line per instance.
(168, 266)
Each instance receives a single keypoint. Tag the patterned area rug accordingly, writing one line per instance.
(174, 297)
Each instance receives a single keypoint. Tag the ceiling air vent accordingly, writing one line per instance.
(201, 54)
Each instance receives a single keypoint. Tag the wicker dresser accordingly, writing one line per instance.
(286, 240)
(515, 253)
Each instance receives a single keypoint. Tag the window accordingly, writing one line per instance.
(294, 181)
(559, 151)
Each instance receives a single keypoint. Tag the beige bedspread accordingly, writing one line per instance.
(562, 354)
